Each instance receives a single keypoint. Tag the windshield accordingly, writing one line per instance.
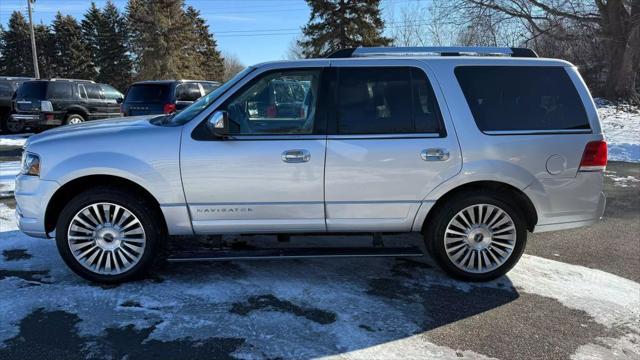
(197, 107)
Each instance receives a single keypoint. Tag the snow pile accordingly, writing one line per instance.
(621, 126)
(8, 172)
(621, 181)
(14, 140)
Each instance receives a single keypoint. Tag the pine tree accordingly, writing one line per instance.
(160, 33)
(72, 56)
(339, 24)
(15, 47)
(206, 57)
(105, 33)
(45, 48)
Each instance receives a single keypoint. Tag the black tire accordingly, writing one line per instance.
(435, 232)
(74, 119)
(139, 206)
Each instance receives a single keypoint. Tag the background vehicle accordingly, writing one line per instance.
(164, 96)
(388, 143)
(45, 103)
(8, 86)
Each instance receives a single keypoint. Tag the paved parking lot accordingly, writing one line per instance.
(575, 294)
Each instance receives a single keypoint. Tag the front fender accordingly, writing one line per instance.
(161, 180)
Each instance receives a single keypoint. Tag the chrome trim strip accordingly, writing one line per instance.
(537, 132)
(384, 136)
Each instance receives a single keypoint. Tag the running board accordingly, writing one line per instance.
(294, 253)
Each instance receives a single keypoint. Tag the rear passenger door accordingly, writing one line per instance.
(111, 98)
(96, 104)
(387, 148)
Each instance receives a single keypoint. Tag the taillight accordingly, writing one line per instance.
(594, 157)
(169, 108)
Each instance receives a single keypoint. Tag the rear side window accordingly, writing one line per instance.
(32, 90)
(522, 98)
(386, 101)
(188, 92)
(148, 93)
(60, 90)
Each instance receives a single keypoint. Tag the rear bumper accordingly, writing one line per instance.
(32, 197)
(597, 215)
(39, 119)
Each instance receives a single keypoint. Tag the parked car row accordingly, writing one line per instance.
(38, 104)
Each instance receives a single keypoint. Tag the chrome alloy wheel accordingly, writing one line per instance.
(480, 238)
(106, 238)
(75, 121)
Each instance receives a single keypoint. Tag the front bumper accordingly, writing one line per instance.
(32, 197)
(39, 119)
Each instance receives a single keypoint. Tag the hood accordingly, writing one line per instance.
(92, 128)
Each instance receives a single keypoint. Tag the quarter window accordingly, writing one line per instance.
(386, 101)
(517, 98)
(282, 102)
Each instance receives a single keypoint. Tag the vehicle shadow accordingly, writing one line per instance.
(264, 309)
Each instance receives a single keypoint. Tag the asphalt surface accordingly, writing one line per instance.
(574, 295)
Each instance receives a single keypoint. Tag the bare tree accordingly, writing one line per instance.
(410, 26)
(232, 66)
(295, 51)
(617, 23)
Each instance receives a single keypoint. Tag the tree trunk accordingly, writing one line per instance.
(622, 30)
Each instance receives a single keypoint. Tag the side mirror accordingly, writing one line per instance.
(218, 123)
(119, 100)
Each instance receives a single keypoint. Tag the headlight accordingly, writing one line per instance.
(30, 164)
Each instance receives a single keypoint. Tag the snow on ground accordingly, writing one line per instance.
(621, 126)
(621, 181)
(8, 172)
(331, 300)
(13, 140)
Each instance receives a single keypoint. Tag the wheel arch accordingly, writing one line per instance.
(78, 110)
(67, 191)
(521, 200)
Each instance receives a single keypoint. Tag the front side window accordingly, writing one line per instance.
(386, 101)
(522, 98)
(93, 91)
(209, 87)
(110, 93)
(282, 102)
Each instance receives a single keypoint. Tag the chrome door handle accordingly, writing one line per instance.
(296, 156)
(434, 154)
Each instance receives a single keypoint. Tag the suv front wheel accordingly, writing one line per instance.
(108, 235)
(477, 236)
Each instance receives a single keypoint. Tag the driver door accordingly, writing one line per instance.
(268, 175)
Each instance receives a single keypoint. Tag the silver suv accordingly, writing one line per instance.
(472, 150)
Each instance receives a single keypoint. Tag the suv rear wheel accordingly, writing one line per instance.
(108, 235)
(477, 236)
(74, 119)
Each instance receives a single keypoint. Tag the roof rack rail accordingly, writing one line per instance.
(433, 51)
(64, 79)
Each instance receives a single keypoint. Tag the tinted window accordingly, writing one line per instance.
(32, 90)
(93, 91)
(385, 101)
(148, 93)
(7, 88)
(188, 92)
(209, 87)
(522, 98)
(261, 108)
(110, 93)
(60, 90)
(82, 91)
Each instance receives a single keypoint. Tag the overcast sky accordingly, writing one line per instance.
(254, 30)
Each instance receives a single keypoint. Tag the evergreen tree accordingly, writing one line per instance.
(339, 24)
(160, 33)
(15, 47)
(203, 50)
(72, 55)
(45, 49)
(105, 33)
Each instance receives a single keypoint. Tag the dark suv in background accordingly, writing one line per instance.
(164, 96)
(8, 86)
(44, 103)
